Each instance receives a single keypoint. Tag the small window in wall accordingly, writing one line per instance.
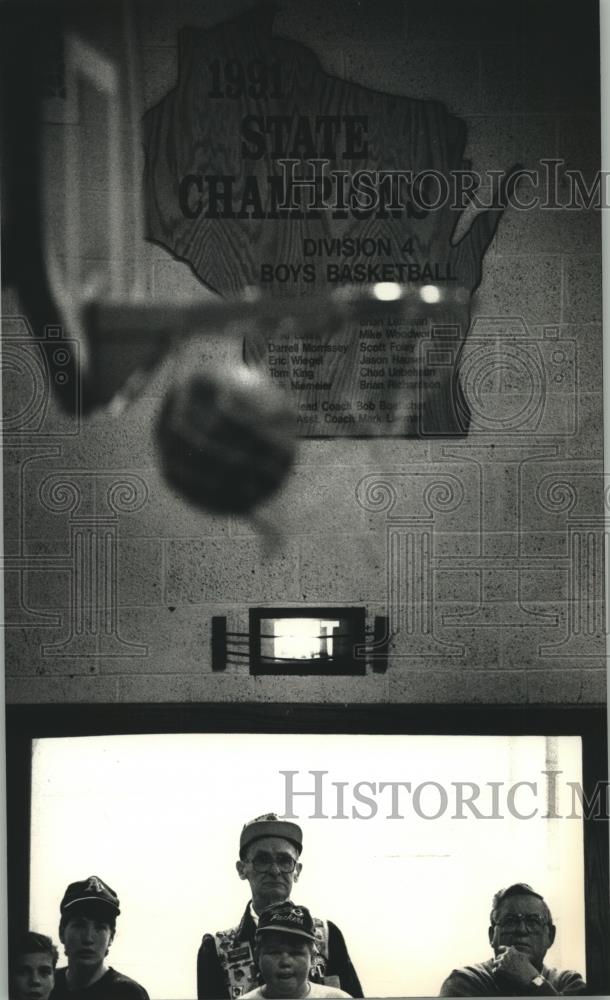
(307, 641)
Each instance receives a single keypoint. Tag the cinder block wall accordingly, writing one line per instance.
(512, 607)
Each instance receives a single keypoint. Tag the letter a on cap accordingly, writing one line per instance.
(94, 885)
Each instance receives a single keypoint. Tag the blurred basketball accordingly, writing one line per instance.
(226, 439)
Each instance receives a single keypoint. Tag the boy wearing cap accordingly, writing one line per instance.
(86, 929)
(269, 851)
(285, 948)
(32, 967)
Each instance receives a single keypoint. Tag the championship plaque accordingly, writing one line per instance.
(262, 170)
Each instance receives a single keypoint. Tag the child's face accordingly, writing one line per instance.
(86, 939)
(33, 977)
(284, 961)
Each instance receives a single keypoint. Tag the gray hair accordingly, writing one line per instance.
(517, 889)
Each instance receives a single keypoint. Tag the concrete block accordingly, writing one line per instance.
(457, 544)
(587, 340)
(499, 543)
(92, 154)
(500, 585)
(88, 497)
(458, 687)
(538, 139)
(446, 612)
(11, 304)
(313, 501)
(107, 442)
(550, 648)
(157, 22)
(577, 687)
(501, 84)
(469, 21)
(193, 12)
(582, 288)
(96, 230)
(555, 494)
(543, 544)
(178, 640)
(177, 567)
(547, 52)
(231, 688)
(138, 578)
(355, 452)
(481, 629)
(457, 585)
(539, 230)
(214, 570)
(207, 349)
(179, 688)
(343, 568)
(25, 656)
(581, 371)
(13, 592)
(44, 533)
(166, 514)
(372, 689)
(493, 142)
(61, 690)
(30, 411)
(519, 285)
(47, 589)
(12, 546)
(558, 499)
(543, 584)
(588, 441)
(579, 143)
(455, 644)
(320, 28)
(443, 497)
(159, 72)
(499, 497)
(140, 571)
(175, 279)
(440, 72)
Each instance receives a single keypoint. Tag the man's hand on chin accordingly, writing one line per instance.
(515, 966)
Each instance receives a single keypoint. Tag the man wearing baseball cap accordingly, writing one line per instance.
(269, 851)
(521, 932)
(285, 948)
(86, 929)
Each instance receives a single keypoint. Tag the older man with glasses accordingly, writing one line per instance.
(521, 932)
(269, 851)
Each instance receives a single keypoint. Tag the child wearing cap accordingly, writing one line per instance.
(32, 967)
(285, 942)
(269, 861)
(86, 929)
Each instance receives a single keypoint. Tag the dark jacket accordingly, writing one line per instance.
(211, 981)
(112, 986)
(480, 981)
